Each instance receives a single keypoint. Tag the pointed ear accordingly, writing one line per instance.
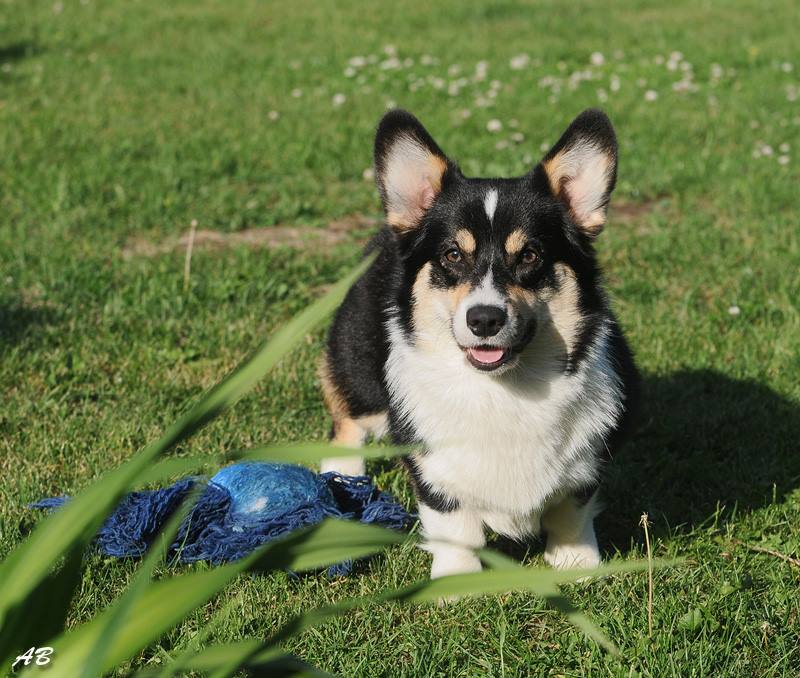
(409, 169)
(581, 169)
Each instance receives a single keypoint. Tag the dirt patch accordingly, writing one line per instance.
(347, 229)
(623, 212)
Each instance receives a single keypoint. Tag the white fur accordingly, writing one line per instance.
(490, 204)
(506, 445)
(485, 294)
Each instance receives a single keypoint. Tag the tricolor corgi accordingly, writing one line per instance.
(481, 336)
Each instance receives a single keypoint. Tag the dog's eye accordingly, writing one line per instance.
(453, 255)
(528, 256)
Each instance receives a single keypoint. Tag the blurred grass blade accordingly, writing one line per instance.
(165, 603)
(78, 521)
(284, 453)
(43, 613)
(537, 580)
(117, 614)
(579, 619)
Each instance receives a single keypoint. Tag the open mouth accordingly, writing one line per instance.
(487, 358)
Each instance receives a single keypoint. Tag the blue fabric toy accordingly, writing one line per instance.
(242, 507)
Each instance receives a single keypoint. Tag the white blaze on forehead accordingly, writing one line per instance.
(490, 203)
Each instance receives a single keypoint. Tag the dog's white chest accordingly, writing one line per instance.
(501, 444)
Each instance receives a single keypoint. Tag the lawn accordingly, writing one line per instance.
(122, 122)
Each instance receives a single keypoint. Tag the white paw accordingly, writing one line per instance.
(572, 556)
(454, 561)
(346, 466)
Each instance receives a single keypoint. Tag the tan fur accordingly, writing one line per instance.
(465, 240)
(412, 180)
(427, 322)
(578, 175)
(333, 399)
(563, 306)
(515, 242)
(521, 296)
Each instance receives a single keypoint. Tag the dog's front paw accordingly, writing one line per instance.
(565, 556)
(346, 466)
(453, 561)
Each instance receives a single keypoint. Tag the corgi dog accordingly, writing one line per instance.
(482, 338)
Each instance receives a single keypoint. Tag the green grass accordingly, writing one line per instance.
(121, 122)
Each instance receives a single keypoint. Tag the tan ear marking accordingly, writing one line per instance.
(580, 175)
(465, 240)
(412, 178)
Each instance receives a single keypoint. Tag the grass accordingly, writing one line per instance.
(122, 122)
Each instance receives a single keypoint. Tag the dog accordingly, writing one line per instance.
(481, 336)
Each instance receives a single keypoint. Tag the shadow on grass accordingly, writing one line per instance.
(17, 321)
(704, 441)
(16, 51)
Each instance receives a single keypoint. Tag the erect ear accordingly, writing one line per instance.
(409, 169)
(581, 169)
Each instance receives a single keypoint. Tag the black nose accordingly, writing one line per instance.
(486, 321)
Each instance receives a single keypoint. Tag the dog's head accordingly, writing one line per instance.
(491, 262)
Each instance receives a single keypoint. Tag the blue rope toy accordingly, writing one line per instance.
(242, 507)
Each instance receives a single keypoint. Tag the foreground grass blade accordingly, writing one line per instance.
(30, 563)
(287, 453)
(43, 613)
(117, 614)
(541, 581)
(165, 603)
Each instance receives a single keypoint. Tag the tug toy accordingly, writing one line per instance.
(242, 507)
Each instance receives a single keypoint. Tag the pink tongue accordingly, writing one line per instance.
(486, 355)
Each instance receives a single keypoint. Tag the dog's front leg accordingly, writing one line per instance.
(571, 541)
(451, 537)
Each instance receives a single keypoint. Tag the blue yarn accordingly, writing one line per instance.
(242, 507)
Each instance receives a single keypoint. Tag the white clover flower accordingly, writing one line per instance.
(390, 50)
(784, 147)
(786, 67)
(650, 95)
(338, 99)
(349, 72)
(614, 83)
(368, 174)
(357, 61)
(519, 62)
(602, 95)
(390, 64)
(297, 92)
(517, 137)
(273, 115)
(502, 144)
(597, 59)
(783, 159)
(494, 125)
(734, 310)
